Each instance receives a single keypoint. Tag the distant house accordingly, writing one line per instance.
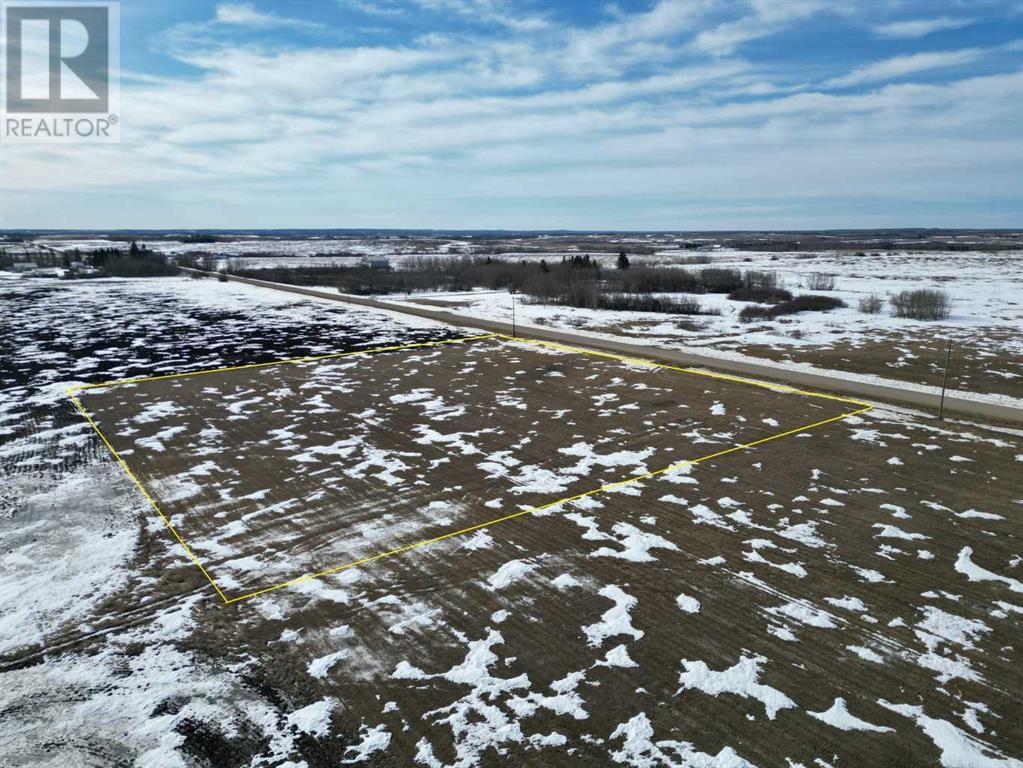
(47, 272)
(24, 266)
(375, 262)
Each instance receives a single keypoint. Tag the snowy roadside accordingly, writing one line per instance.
(980, 397)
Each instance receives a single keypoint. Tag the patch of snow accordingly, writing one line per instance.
(315, 718)
(958, 748)
(616, 620)
(891, 532)
(687, 604)
(641, 751)
(509, 573)
(374, 739)
(838, 717)
(974, 572)
(739, 679)
(617, 657)
(805, 614)
(565, 580)
(319, 668)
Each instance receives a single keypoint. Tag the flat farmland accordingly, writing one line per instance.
(272, 473)
(849, 594)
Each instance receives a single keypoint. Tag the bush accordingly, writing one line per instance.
(654, 280)
(759, 280)
(645, 302)
(923, 304)
(766, 295)
(127, 266)
(690, 305)
(686, 324)
(718, 280)
(755, 312)
(819, 281)
(806, 303)
(871, 304)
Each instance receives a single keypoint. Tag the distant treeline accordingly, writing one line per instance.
(137, 261)
(576, 281)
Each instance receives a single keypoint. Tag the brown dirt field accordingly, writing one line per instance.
(244, 460)
(976, 365)
(561, 638)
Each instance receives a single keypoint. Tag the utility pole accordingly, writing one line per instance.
(513, 311)
(944, 381)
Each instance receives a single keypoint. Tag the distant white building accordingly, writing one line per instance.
(375, 262)
(47, 272)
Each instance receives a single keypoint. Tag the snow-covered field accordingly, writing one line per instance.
(271, 251)
(986, 291)
(985, 288)
(985, 325)
(846, 596)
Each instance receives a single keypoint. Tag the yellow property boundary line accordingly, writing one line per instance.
(863, 407)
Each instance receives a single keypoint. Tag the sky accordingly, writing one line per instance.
(512, 114)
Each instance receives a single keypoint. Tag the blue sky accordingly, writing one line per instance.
(483, 114)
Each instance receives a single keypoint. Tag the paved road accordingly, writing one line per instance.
(893, 392)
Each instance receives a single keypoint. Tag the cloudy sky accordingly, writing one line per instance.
(483, 114)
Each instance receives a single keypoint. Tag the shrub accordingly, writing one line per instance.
(805, 303)
(767, 295)
(808, 303)
(222, 277)
(819, 281)
(690, 305)
(718, 280)
(922, 304)
(755, 312)
(871, 304)
(129, 266)
(759, 280)
(654, 280)
(645, 302)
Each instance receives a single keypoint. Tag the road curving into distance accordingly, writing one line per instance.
(893, 392)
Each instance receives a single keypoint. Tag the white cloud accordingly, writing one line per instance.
(441, 132)
(900, 66)
(915, 28)
(488, 11)
(768, 18)
(372, 8)
(246, 15)
(641, 37)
